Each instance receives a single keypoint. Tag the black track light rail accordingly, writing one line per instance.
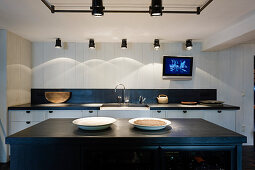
(198, 11)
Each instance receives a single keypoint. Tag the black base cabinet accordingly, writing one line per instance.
(162, 158)
(77, 157)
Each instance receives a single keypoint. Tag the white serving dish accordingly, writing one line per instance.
(131, 121)
(94, 123)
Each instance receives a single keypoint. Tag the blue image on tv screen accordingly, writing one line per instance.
(178, 66)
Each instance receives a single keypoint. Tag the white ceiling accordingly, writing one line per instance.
(31, 19)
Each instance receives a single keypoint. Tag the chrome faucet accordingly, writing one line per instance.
(124, 90)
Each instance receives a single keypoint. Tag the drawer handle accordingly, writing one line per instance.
(90, 111)
(28, 122)
(219, 111)
(159, 111)
(50, 111)
(184, 111)
(27, 111)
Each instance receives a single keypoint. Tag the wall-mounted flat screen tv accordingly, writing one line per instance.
(179, 68)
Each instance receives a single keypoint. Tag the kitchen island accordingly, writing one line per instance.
(187, 143)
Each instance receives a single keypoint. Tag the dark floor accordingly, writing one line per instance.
(248, 159)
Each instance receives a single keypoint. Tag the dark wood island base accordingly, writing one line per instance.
(188, 144)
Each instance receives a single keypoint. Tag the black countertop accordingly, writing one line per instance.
(181, 131)
(96, 106)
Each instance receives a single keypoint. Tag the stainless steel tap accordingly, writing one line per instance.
(124, 91)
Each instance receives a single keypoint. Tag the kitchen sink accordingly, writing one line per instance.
(124, 106)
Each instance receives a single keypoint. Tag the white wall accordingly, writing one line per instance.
(75, 66)
(15, 78)
(19, 72)
(139, 66)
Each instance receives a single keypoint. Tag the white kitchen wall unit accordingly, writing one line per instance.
(124, 113)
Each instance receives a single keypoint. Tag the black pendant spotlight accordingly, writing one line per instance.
(124, 44)
(156, 8)
(92, 44)
(156, 44)
(189, 44)
(97, 8)
(58, 43)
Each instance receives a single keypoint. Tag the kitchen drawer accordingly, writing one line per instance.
(89, 113)
(64, 114)
(123, 113)
(184, 114)
(15, 127)
(27, 115)
(158, 113)
(20, 115)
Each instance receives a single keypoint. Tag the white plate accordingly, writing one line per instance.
(94, 123)
(131, 121)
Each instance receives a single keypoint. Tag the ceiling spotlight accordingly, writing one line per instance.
(156, 8)
(124, 44)
(156, 44)
(189, 44)
(58, 43)
(91, 44)
(97, 8)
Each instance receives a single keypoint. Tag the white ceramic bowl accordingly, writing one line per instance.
(94, 123)
(131, 121)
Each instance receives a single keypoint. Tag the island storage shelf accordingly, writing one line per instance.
(57, 143)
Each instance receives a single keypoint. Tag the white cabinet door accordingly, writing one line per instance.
(123, 113)
(89, 113)
(184, 114)
(224, 118)
(158, 113)
(64, 114)
(18, 126)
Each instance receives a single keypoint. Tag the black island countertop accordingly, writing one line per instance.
(181, 131)
(96, 106)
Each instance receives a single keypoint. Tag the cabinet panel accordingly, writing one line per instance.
(222, 118)
(123, 113)
(158, 113)
(89, 113)
(20, 115)
(64, 114)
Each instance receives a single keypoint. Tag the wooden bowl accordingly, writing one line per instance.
(57, 97)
